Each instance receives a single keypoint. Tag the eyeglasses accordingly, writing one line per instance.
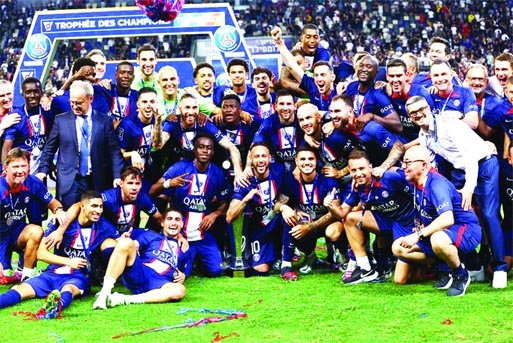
(476, 79)
(422, 109)
(406, 164)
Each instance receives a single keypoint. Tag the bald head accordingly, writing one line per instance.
(416, 164)
(309, 119)
(307, 108)
(417, 152)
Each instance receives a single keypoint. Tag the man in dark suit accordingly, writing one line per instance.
(89, 153)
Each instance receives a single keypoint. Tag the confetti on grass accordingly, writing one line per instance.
(218, 337)
(229, 315)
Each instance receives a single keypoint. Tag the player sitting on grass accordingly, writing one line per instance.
(67, 274)
(152, 265)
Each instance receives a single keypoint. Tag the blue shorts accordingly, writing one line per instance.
(38, 212)
(48, 281)
(209, 254)
(466, 237)
(398, 229)
(141, 279)
(259, 242)
(8, 244)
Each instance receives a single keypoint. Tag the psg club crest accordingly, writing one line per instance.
(38, 46)
(227, 38)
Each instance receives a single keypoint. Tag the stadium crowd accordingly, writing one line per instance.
(353, 137)
(477, 30)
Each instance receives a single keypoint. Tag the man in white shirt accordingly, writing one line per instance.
(475, 174)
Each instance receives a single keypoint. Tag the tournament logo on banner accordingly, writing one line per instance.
(38, 46)
(227, 38)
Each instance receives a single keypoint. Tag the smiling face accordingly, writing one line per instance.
(361, 171)
(32, 94)
(204, 150)
(262, 83)
(503, 70)
(172, 223)
(416, 163)
(420, 113)
(6, 97)
(306, 161)
(100, 65)
(341, 114)
(237, 75)
(260, 161)
(16, 171)
(189, 111)
(437, 51)
(323, 77)
(285, 107)
(366, 70)
(169, 81)
(441, 74)
(147, 106)
(477, 80)
(397, 78)
(205, 79)
(309, 119)
(147, 62)
(92, 209)
(310, 41)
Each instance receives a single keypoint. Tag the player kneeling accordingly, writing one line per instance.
(152, 265)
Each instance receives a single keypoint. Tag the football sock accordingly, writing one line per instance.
(460, 270)
(9, 298)
(108, 284)
(341, 245)
(350, 254)
(382, 258)
(26, 272)
(66, 298)
(288, 246)
(363, 262)
(310, 255)
(134, 299)
(285, 264)
(471, 260)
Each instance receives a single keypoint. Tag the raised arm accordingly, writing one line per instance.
(295, 70)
